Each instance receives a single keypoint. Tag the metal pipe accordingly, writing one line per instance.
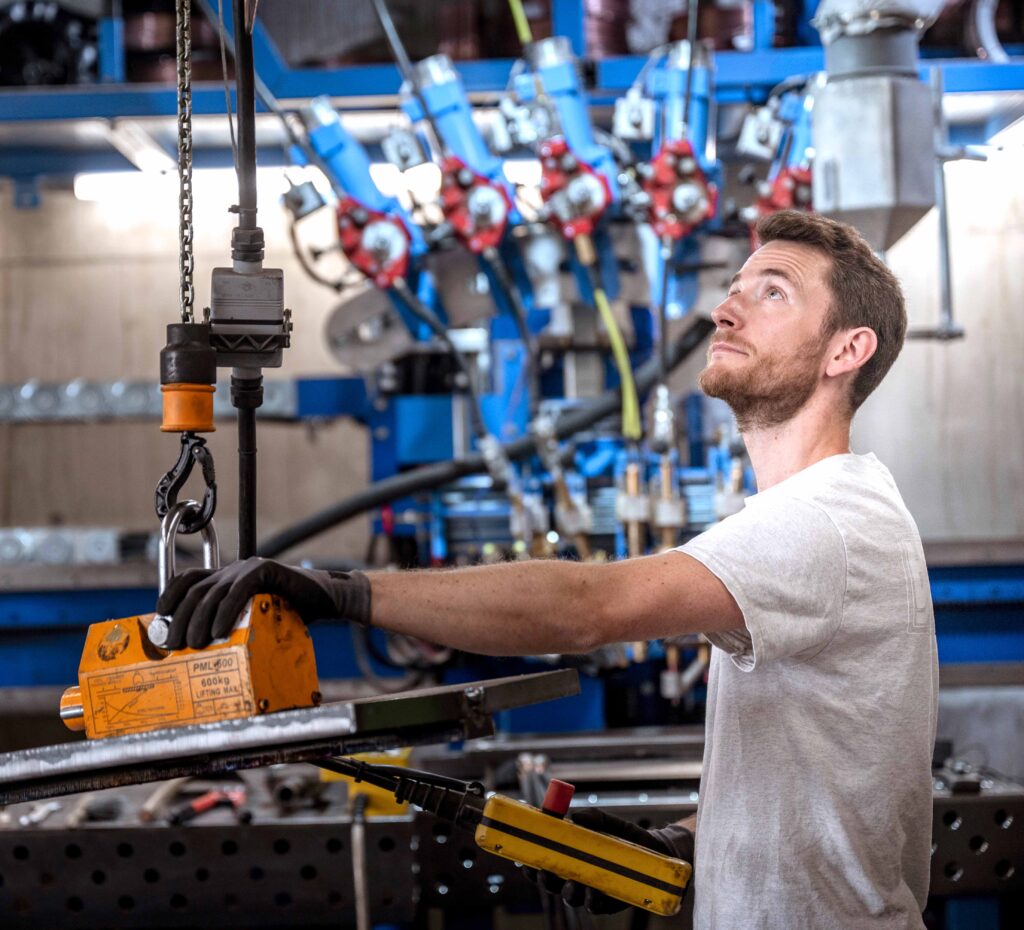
(945, 273)
(982, 28)
(360, 881)
(663, 347)
(246, 107)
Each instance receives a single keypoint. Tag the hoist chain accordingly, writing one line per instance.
(186, 260)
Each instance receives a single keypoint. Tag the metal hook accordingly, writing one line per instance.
(159, 627)
(193, 451)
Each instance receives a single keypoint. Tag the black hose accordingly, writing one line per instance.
(429, 477)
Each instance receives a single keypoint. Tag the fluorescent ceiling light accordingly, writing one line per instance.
(150, 189)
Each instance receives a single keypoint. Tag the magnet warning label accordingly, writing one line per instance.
(190, 689)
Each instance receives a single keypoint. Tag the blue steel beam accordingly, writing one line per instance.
(739, 76)
(104, 101)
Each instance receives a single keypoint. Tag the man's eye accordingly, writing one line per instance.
(773, 293)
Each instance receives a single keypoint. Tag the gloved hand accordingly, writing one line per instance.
(205, 604)
(672, 840)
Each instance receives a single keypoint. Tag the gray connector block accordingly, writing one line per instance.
(250, 326)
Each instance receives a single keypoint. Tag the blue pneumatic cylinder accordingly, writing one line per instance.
(795, 109)
(452, 115)
(552, 61)
(667, 87)
(348, 162)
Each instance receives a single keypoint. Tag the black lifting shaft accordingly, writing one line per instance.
(245, 94)
(246, 395)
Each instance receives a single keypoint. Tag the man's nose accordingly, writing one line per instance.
(724, 316)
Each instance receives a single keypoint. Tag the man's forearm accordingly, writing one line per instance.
(516, 608)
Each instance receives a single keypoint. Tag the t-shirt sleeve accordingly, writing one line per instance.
(784, 562)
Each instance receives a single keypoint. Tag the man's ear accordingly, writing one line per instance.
(850, 350)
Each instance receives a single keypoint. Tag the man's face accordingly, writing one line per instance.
(766, 357)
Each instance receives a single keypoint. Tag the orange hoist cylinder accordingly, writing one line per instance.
(188, 372)
(128, 685)
(187, 408)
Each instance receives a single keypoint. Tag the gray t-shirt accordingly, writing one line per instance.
(816, 801)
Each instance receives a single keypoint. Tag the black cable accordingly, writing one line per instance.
(429, 477)
(222, 31)
(307, 266)
(426, 316)
(271, 103)
(691, 39)
(246, 395)
(519, 314)
(245, 104)
(406, 69)
(246, 483)
(360, 649)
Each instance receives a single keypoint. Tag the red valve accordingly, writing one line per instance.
(791, 190)
(680, 195)
(476, 209)
(574, 193)
(377, 244)
(557, 798)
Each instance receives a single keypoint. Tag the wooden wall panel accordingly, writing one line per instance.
(86, 289)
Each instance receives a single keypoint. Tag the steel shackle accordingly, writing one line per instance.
(166, 559)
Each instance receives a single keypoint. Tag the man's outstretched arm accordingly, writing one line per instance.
(518, 608)
(521, 608)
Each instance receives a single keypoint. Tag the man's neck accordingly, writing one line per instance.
(778, 452)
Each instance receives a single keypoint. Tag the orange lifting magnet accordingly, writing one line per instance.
(128, 683)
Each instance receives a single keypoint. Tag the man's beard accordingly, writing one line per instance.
(770, 390)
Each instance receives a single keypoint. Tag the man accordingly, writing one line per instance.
(815, 802)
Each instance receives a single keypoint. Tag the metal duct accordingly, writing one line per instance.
(872, 121)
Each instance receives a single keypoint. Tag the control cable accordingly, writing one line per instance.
(425, 315)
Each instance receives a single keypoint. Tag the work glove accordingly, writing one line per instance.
(672, 840)
(204, 604)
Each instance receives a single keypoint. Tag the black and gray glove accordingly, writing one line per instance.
(672, 840)
(205, 604)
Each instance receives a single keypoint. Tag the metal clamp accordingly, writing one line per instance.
(159, 627)
(193, 450)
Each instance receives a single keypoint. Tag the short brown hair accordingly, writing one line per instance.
(864, 291)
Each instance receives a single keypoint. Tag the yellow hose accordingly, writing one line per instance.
(522, 23)
(587, 255)
(631, 427)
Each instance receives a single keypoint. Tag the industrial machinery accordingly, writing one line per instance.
(508, 334)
